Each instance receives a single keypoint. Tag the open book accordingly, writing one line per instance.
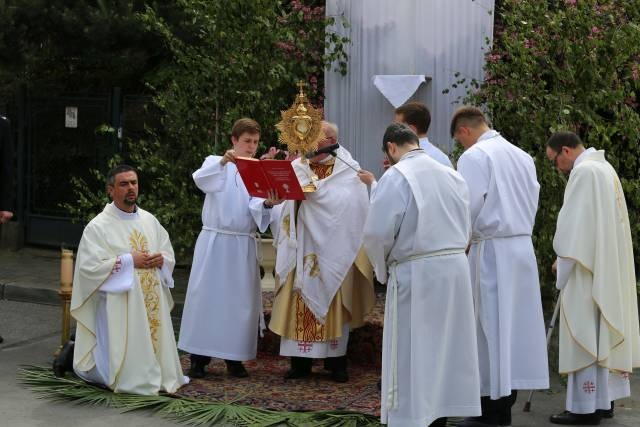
(259, 176)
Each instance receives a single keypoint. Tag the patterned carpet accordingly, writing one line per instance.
(266, 388)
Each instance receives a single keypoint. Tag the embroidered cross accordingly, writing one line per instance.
(117, 266)
(333, 344)
(588, 387)
(305, 346)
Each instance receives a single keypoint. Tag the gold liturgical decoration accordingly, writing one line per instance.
(301, 128)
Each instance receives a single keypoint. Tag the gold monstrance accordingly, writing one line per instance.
(301, 128)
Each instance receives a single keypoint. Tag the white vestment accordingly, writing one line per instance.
(599, 338)
(124, 335)
(417, 229)
(503, 192)
(222, 313)
(434, 152)
(319, 244)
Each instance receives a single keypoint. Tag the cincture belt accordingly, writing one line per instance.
(392, 389)
(255, 236)
(258, 242)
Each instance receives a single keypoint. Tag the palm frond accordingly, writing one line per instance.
(193, 412)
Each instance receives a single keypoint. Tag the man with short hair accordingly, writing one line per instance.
(599, 338)
(222, 314)
(121, 299)
(503, 193)
(324, 281)
(416, 234)
(417, 116)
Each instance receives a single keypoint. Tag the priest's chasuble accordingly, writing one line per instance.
(136, 338)
(324, 280)
(415, 235)
(599, 315)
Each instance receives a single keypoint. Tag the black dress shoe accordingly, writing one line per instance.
(236, 369)
(571, 419)
(64, 361)
(477, 422)
(197, 371)
(340, 376)
(294, 374)
(1, 339)
(605, 413)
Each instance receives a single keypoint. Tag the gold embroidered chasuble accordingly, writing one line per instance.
(292, 319)
(141, 350)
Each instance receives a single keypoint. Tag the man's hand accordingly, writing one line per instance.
(229, 156)
(272, 198)
(145, 260)
(366, 177)
(5, 216)
(554, 267)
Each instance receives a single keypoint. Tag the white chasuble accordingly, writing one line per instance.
(598, 316)
(415, 235)
(125, 337)
(222, 314)
(503, 192)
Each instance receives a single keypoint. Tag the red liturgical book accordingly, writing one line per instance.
(261, 175)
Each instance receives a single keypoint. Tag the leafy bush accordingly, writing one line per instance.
(230, 59)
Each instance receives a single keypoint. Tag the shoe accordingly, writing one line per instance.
(477, 422)
(294, 374)
(1, 339)
(571, 419)
(64, 361)
(236, 369)
(197, 371)
(340, 376)
(605, 413)
(440, 422)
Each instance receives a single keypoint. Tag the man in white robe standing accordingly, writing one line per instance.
(503, 193)
(121, 300)
(599, 338)
(222, 315)
(324, 281)
(416, 235)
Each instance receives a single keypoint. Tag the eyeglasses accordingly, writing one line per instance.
(555, 159)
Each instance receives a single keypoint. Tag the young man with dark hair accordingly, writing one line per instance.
(222, 313)
(416, 115)
(503, 194)
(599, 338)
(415, 236)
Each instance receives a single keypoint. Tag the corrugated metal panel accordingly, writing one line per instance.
(437, 38)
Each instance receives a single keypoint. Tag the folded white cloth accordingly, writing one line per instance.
(398, 88)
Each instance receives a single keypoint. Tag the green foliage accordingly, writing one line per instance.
(228, 60)
(567, 65)
(194, 412)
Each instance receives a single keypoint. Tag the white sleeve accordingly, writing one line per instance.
(165, 274)
(121, 278)
(476, 174)
(564, 268)
(211, 176)
(260, 214)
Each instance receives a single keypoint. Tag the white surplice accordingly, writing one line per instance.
(415, 236)
(503, 191)
(223, 308)
(599, 339)
(124, 335)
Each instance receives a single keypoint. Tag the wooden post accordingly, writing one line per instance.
(66, 286)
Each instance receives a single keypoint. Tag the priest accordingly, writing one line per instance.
(324, 282)
(599, 338)
(121, 299)
(503, 197)
(416, 235)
